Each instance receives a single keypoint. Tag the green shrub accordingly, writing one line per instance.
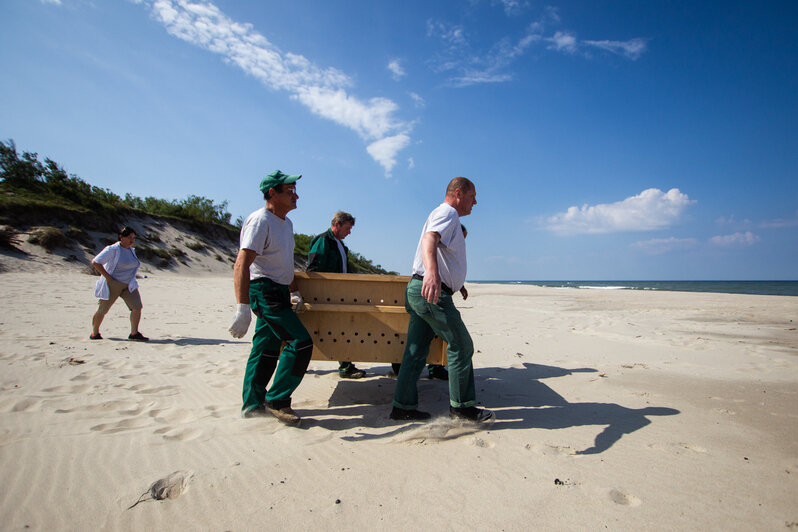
(150, 254)
(9, 239)
(50, 238)
(80, 235)
(152, 237)
(176, 252)
(196, 246)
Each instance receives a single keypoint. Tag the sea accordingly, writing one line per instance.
(770, 288)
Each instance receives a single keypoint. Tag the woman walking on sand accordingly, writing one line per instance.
(117, 265)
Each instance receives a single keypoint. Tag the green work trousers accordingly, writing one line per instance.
(277, 324)
(427, 320)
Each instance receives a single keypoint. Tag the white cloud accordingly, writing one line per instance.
(650, 210)
(384, 150)
(418, 100)
(411, 163)
(737, 239)
(563, 41)
(511, 7)
(54, 2)
(395, 66)
(322, 90)
(780, 222)
(631, 49)
(658, 246)
(470, 67)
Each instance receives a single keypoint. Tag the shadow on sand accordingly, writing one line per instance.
(519, 398)
(180, 341)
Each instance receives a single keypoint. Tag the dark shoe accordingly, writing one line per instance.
(351, 372)
(400, 414)
(438, 372)
(471, 414)
(97, 336)
(138, 337)
(285, 414)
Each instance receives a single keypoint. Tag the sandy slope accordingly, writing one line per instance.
(615, 410)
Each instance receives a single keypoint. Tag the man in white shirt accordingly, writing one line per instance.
(439, 270)
(264, 282)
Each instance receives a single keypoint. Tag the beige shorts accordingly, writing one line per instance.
(117, 289)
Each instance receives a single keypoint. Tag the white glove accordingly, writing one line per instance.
(297, 301)
(241, 320)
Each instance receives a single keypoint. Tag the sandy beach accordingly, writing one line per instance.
(617, 410)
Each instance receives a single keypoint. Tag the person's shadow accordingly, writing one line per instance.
(521, 401)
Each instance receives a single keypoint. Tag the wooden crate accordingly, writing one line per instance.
(358, 317)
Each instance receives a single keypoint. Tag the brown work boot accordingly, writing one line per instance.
(285, 414)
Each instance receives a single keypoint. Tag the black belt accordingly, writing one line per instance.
(444, 287)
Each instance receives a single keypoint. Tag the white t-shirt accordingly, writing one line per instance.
(445, 221)
(343, 254)
(272, 238)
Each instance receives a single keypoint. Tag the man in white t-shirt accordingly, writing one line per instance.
(439, 270)
(264, 282)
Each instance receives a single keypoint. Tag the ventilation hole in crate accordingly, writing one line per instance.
(329, 333)
(342, 333)
(396, 335)
(395, 302)
(389, 342)
(382, 334)
(402, 342)
(348, 340)
(355, 300)
(375, 341)
(342, 300)
(361, 341)
(335, 340)
(315, 299)
(368, 334)
(356, 334)
(328, 299)
(321, 339)
(368, 300)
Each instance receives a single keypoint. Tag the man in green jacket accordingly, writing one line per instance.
(328, 253)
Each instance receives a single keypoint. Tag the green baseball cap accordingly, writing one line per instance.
(277, 178)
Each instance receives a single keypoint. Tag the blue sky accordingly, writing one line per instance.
(608, 140)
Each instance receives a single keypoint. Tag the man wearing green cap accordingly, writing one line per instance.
(264, 282)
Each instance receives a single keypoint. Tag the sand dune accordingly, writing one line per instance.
(615, 409)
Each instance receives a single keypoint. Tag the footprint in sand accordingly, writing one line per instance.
(172, 416)
(622, 497)
(677, 447)
(25, 405)
(170, 487)
(121, 426)
(550, 450)
(161, 391)
(78, 388)
(86, 375)
(182, 434)
(97, 407)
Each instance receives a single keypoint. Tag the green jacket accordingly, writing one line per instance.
(323, 255)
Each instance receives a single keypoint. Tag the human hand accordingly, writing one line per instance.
(241, 320)
(431, 288)
(297, 301)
